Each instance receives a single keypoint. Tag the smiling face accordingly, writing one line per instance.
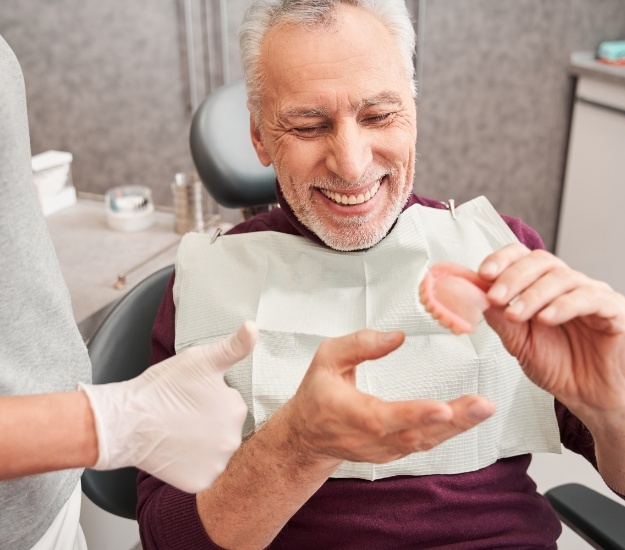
(338, 123)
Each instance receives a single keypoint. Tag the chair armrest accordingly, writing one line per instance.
(594, 517)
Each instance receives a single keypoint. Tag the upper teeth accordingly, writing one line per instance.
(352, 199)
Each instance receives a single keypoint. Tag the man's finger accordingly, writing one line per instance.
(597, 300)
(346, 352)
(466, 412)
(462, 413)
(395, 416)
(492, 266)
(470, 410)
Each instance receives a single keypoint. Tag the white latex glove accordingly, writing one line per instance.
(178, 420)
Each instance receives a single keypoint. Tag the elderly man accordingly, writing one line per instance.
(403, 452)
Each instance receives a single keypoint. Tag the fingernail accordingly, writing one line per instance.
(436, 417)
(517, 307)
(489, 269)
(498, 292)
(388, 337)
(478, 411)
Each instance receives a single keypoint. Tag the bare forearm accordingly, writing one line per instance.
(265, 483)
(47, 432)
(609, 437)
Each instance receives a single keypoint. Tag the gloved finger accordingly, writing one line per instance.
(232, 349)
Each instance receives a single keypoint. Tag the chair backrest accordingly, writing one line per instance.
(223, 153)
(120, 350)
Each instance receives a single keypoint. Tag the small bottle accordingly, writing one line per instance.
(190, 203)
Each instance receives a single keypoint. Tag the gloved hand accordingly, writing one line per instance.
(178, 420)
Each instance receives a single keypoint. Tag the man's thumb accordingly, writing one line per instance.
(344, 353)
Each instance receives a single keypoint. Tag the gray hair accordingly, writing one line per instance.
(262, 15)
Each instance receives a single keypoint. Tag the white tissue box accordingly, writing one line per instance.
(52, 174)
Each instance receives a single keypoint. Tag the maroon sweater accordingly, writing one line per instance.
(495, 507)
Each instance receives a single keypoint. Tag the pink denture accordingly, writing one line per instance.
(455, 296)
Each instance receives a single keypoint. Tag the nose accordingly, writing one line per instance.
(349, 151)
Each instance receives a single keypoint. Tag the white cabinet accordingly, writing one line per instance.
(591, 232)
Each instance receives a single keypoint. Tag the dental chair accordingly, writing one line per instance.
(224, 156)
(119, 350)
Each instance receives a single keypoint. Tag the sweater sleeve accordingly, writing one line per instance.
(164, 329)
(528, 236)
(168, 518)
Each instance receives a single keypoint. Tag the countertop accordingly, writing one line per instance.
(91, 256)
(585, 64)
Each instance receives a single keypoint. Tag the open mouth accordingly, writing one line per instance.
(359, 198)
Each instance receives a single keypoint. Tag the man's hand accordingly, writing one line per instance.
(329, 418)
(567, 330)
(327, 421)
(179, 420)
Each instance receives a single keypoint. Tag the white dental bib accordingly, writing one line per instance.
(300, 293)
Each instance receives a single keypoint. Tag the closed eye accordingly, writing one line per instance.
(377, 119)
(309, 131)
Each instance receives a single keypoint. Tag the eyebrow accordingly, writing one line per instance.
(305, 112)
(318, 112)
(384, 97)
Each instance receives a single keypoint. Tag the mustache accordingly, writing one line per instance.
(337, 183)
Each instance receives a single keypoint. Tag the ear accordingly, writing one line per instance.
(257, 141)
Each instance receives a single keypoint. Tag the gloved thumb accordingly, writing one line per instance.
(236, 347)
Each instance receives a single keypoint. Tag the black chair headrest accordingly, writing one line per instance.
(223, 153)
